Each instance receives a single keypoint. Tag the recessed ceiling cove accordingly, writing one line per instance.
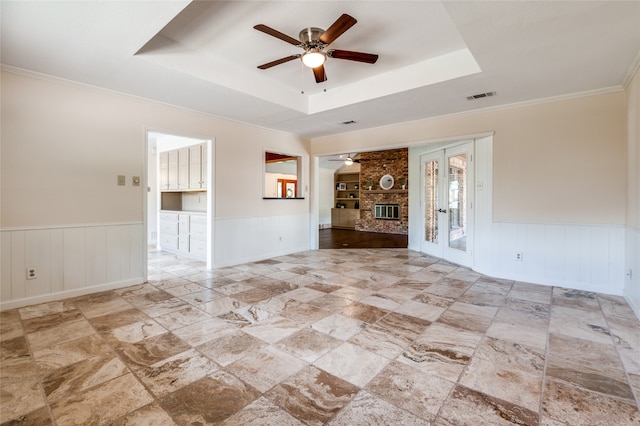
(215, 41)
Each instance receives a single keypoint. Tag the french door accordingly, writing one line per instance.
(447, 204)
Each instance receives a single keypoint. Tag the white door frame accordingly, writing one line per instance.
(442, 248)
(210, 195)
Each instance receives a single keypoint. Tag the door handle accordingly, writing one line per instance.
(442, 210)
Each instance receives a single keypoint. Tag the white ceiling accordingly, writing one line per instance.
(203, 55)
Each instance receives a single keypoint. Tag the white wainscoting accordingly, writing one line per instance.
(69, 261)
(632, 268)
(585, 257)
(249, 239)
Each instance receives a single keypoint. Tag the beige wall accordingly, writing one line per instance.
(633, 151)
(63, 145)
(554, 162)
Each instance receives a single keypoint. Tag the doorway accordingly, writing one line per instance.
(447, 180)
(180, 190)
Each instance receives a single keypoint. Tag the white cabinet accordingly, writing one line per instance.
(169, 231)
(184, 233)
(198, 236)
(164, 171)
(184, 169)
(198, 166)
(173, 170)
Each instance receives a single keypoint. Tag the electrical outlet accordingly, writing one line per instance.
(31, 274)
(519, 256)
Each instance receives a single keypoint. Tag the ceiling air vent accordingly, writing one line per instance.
(346, 123)
(481, 95)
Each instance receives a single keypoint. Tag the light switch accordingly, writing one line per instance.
(135, 181)
(121, 180)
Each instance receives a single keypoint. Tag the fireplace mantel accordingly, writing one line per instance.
(383, 191)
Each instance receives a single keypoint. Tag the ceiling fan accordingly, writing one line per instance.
(314, 41)
(349, 160)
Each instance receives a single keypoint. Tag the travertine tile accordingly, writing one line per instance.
(502, 382)
(468, 316)
(20, 396)
(352, 363)
(221, 306)
(122, 395)
(60, 355)
(312, 395)
(419, 393)
(182, 318)
(514, 355)
(230, 347)
(441, 350)
(364, 313)
(135, 332)
(204, 331)
(262, 412)
(151, 415)
(197, 403)
(308, 344)
(45, 309)
(339, 326)
(371, 410)
(468, 407)
(273, 328)
(170, 374)
(355, 336)
(266, 367)
(576, 406)
(82, 375)
(63, 333)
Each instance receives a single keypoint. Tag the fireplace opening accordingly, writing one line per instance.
(387, 211)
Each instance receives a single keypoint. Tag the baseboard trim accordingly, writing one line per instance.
(50, 297)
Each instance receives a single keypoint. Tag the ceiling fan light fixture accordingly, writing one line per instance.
(348, 161)
(313, 58)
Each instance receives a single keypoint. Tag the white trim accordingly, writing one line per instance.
(210, 142)
(86, 225)
(18, 303)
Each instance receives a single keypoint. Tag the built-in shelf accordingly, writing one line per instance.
(347, 200)
(383, 191)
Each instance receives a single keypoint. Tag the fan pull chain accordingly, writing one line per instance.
(302, 78)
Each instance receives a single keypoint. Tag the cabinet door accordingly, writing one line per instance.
(164, 170)
(173, 169)
(183, 168)
(195, 167)
(350, 218)
(335, 217)
(204, 165)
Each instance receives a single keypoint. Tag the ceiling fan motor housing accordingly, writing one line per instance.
(310, 37)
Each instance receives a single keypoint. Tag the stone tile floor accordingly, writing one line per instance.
(339, 337)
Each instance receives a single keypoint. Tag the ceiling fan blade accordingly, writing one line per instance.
(368, 58)
(319, 73)
(336, 29)
(278, 62)
(277, 34)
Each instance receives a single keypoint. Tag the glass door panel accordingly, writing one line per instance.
(447, 177)
(431, 201)
(457, 203)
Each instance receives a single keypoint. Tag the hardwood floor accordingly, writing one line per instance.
(345, 238)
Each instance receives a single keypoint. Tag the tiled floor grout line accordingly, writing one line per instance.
(320, 267)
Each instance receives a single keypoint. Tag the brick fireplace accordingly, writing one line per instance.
(374, 165)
